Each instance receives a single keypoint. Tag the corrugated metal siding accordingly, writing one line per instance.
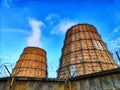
(102, 82)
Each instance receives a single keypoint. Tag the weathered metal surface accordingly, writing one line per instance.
(109, 80)
(84, 52)
(32, 63)
(3, 85)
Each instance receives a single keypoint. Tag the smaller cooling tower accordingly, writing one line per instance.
(32, 63)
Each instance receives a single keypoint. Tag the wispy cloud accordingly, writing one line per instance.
(115, 44)
(52, 19)
(113, 39)
(1, 58)
(116, 29)
(35, 38)
(62, 26)
(7, 3)
(15, 30)
(52, 15)
(59, 25)
(12, 3)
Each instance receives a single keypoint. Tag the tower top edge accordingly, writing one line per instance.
(32, 47)
(80, 24)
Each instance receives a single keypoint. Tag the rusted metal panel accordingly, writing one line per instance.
(73, 85)
(97, 85)
(21, 85)
(77, 86)
(34, 85)
(116, 81)
(84, 85)
(94, 84)
(58, 86)
(107, 83)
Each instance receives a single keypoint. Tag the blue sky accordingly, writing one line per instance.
(43, 23)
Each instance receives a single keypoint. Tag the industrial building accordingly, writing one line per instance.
(32, 63)
(85, 64)
(84, 52)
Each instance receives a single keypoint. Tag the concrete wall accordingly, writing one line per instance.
(97, 81)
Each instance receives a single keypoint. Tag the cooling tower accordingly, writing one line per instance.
(32, 63)
(84, 52)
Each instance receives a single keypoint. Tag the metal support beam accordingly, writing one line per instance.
(118, 56)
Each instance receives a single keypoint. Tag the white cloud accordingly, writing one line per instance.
(62, 26)
(116, 29)
(59, 25)
(52, 19)
(35, 38)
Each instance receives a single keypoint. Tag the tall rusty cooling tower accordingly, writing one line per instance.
(84, 52)
(32, 63)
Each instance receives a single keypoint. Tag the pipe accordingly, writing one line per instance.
(7, 70)
(118, 56)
